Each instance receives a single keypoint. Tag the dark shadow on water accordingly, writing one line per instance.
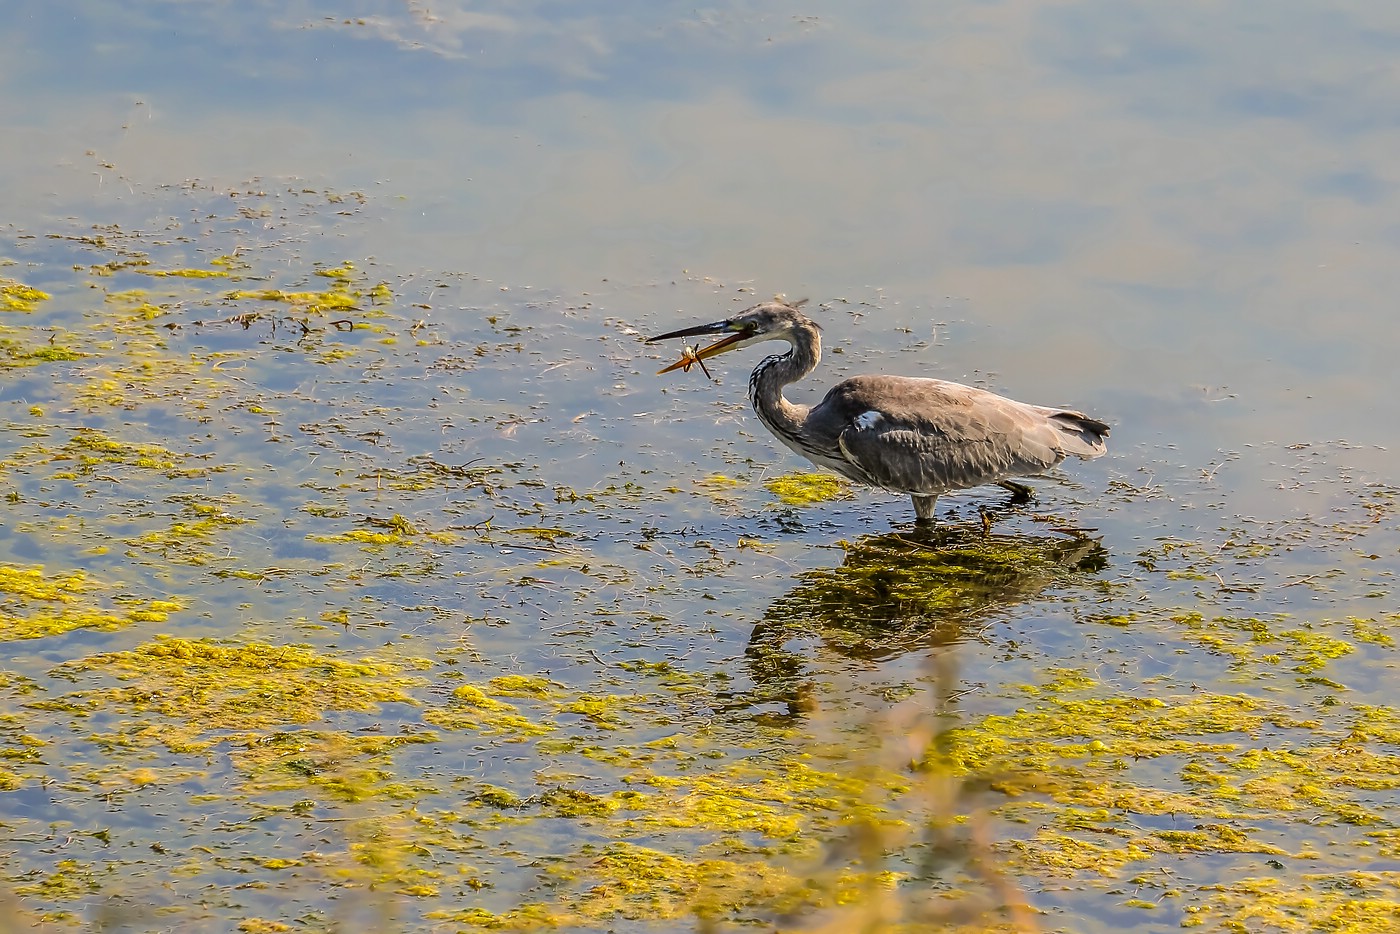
(908, 592)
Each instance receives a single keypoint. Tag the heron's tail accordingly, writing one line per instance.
(1079, 434)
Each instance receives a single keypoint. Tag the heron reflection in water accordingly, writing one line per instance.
(924, 437)
(893, 596)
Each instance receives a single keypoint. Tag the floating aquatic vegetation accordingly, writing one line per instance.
(1256, 645)
(14, 353)
(180, 691)
(532, 686)
(35, 604)
(473, 709)
(393, 530)
(805, 489)
(1354, 901)
(718, 483)
(313, 302)
(185, 273)
(327, 764)
(188, 539)
(16, 296)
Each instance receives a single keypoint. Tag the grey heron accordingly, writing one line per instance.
(924, 437)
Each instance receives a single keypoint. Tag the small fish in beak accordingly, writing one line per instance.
(690, 356)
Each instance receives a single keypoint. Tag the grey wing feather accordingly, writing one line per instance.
(931, 436)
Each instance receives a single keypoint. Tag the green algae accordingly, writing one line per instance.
(17, 354)
(345, 271)
(576, 803)
(182, 690)
(1373, 631)
(782, 800)
(71, 880)
(532, 686)
(806, 489)
(493, 796)
(91, 447)
(392, 531)
(1067, 856)
(625, 880)
(328, 765)
(472, 709)
(188, 538)
(1230, 779)
(716, 484)
(89, 450)
(708, 803)
(1278, 642)
(16, 296)
(185, 273)
(1356, 902)
(36, 605)
(328, 300)
(133, 305)
(608, 711)
(423, 473)
(342, 296)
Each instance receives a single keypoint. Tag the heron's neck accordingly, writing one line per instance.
(772, 374)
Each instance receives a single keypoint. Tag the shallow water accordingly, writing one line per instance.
(341, 360)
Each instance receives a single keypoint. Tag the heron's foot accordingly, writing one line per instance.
(924, 508)
(1020, 493)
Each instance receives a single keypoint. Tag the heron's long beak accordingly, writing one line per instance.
(702, 353)
(693, 331)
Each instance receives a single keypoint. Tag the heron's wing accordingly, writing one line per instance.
(930, 436)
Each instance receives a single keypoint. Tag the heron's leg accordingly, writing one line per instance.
(1020, 493)
(923, 507)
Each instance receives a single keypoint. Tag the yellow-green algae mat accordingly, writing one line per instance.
(310, 630)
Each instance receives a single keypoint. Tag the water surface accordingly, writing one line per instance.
(359, 567)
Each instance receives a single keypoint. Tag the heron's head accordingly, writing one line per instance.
(775, 320)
